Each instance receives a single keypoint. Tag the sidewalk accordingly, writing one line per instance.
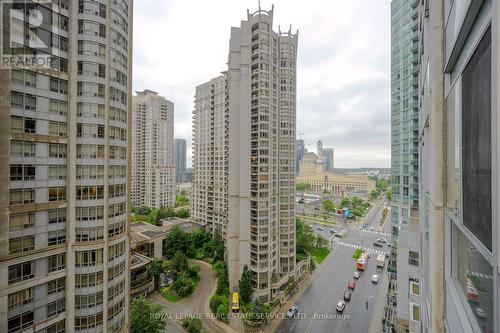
(379, 304)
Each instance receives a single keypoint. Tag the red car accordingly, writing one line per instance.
(351, 285)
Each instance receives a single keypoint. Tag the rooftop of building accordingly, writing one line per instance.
(138, 260)
(143, 231)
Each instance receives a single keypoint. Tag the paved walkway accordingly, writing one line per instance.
(379, 304)
(193, 303)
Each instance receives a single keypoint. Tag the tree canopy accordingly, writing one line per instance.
(146, 317)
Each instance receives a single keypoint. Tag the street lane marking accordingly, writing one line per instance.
(478, 274)
(354, 246)
(374, 232)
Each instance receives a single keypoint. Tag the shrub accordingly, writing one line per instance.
(192, 325)
(222, 311)
(217, 300)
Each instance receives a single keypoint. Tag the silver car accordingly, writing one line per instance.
(340, 306)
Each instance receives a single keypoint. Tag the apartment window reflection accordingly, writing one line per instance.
(475, 277)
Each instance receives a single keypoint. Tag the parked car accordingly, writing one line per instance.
(381, 240)
(351, 285)
(356, 275)
(387, 254)
(332, 231)
(377, 244)
(340, 306)
(389, 244)
(372, 228)
(321, 229)
(347, 295)
(375, 278)
(292, 311)
(480, 312)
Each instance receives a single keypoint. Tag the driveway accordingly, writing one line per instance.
(192, 304)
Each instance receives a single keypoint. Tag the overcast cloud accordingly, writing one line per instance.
(343, 78)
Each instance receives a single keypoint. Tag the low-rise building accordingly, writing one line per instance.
(311, 172)
(141, 284)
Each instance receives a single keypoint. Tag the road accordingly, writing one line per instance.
(317, 304)
(193, 304)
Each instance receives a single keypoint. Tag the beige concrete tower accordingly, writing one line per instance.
(210, 155)
(64, 152)
(153, 170)
(261, 183)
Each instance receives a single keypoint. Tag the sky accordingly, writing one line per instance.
(343, 65)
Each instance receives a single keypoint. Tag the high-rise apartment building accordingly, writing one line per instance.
(153, 170)
(300, 150)
(210, 155)
(459, 282)
(64, 143)
(403, 264)
(262, 108)
(180, 159)
(244, 154)
(326, 154)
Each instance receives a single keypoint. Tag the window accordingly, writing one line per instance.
(89, 171)
(21, 272)
(20, 322)
(21, 221)
(89, 258)
(57, 128)
(56, 286)
(89, 234)
(473, 274)
(116, 250)
(59, 327)
(415, 312)
(57, 215)
(57, 172)
(57, 150)
(20, 298)
(86, 322)
(22, 149)
(22, 125)
(57, 193)
(22, 172)
(89, 131)
(22, 196)
(56, 237)
(21, 244)
(56, 262)
(90, 110)
(89, 192)
(58, 107)
(89, 213)
(55, 307)
(88, 300)
(88, 280)
(59, 85)
(476, 142)
(413, 258)
(89, 151)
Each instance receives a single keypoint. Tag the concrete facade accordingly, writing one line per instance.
(153, 170)
(210, 155)
(300, 150)
(262, 109)
(64, 245)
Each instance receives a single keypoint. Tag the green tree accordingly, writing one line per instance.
(182, 213)
(179, 262)
(245, 285)
(181, 200)
(374, 194)
(305, 237)
(142, 210)
(221, 311)
(176, 240)
(328, 205)
(345, 202)
(389, 194)
(192, 325)
(382, 185)
(155, 269)
(321, 241)
(217, 300)
(146, 317)
(214, 249)
(302, 186)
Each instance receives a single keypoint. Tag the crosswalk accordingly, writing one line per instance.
(367, 249)
(481, 275)
(375, 232)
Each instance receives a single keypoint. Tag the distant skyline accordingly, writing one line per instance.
(343, 90)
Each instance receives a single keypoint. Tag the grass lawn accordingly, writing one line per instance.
(357, 253)
(170, 295)
(319, 254)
